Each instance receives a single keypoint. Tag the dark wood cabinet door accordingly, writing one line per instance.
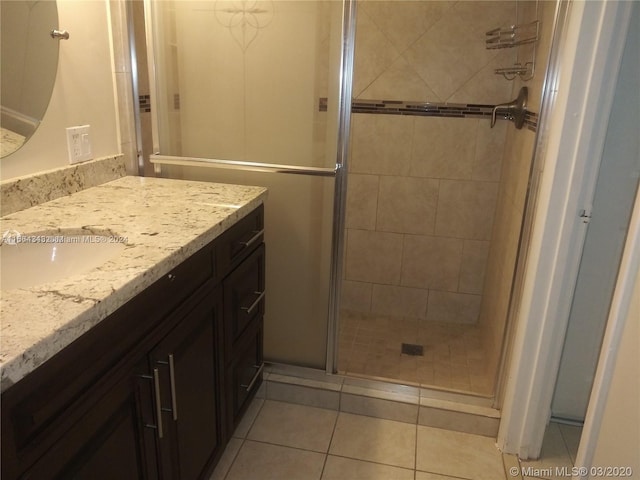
(108, 442)
(189, 364)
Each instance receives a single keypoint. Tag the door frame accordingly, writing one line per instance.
(580, 85)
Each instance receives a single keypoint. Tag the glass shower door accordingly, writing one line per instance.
(253, 89)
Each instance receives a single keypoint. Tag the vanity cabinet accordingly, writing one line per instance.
(145, 393)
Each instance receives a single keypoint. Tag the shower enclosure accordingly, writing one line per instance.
(436, 196)
(393, 232)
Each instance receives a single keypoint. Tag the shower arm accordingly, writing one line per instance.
(514, 110)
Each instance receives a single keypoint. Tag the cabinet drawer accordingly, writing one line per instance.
(244, 298)
(240, 240)
(244, 375)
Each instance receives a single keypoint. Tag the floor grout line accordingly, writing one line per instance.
(244, 439)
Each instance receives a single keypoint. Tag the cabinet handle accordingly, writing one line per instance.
(172, 377)
(251, 307)
(255, 377)
(253, 239)
(156, 382)
(148, 377)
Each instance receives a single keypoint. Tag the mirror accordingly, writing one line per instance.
(28, 70)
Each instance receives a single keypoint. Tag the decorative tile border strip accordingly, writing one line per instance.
(145, 103)
(428, 109)
(531, 120)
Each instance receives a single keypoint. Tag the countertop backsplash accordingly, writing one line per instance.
(27, 191)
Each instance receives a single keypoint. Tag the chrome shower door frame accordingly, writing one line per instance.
(339, 171)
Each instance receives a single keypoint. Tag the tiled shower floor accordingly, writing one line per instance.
(453, 358)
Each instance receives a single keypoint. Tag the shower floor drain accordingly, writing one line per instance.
(411, 349)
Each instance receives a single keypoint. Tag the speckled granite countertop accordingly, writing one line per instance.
(164, 222)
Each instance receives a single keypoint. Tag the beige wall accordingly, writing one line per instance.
(422, 190)
(619, 438)
(516, 166)
(83, 93)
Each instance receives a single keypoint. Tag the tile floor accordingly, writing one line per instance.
(278, 440)
(558, 450)
(370, 346)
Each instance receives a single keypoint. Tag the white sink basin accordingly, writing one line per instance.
(28, 260)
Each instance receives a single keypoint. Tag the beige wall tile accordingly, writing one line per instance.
(448, 55)
(407, 205)
(398, 82)
(431, 262)
(381, 144)
(516, 164)
(472, 269)
(356, 296)
(453, 307)
(546, 12)
(374, 53)
(403, 22)
(362, 201)
(399, 301)
(438, 149)
(373, 257)
(487, 164)
(485, 87)
(487, 15)
(466, 209)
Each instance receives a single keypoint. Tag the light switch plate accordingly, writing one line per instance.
(79, 144)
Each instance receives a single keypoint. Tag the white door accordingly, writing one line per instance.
(615, 191)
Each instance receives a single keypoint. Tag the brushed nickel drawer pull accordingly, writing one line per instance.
(253, 239)
(256, 302)
(156, 382)
(255, 377)
(172, 377)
